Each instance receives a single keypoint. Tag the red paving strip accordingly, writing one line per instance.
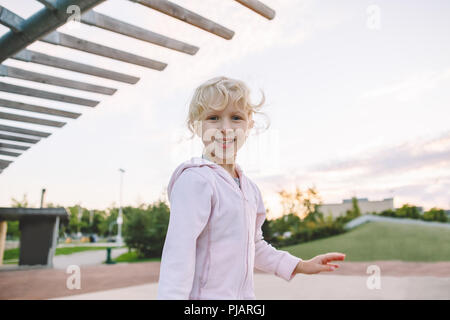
(394, 268)
(51, 283)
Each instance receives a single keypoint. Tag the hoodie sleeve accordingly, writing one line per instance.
(267, 258)
(190, 207)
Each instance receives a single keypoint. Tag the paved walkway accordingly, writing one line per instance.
(11, 244)
(399, 280)
(304, 287)
(85, 258)
(48, 283)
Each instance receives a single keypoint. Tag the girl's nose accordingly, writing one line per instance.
(227, 133)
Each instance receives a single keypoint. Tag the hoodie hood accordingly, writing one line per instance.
(201, 162)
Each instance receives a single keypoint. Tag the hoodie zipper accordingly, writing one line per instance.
(244, 199)
(247, 244)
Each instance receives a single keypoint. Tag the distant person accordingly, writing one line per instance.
(214, 238)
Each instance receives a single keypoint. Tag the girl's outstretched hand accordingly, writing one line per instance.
(319, 263)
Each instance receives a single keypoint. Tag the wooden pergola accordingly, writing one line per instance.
(42, 27)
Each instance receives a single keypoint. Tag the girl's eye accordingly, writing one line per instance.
(234, 118)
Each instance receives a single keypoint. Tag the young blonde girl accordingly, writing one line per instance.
(214, 239)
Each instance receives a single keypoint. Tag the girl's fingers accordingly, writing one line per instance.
(333, 256)
(325, 258)
(333, 265)
(327, 268)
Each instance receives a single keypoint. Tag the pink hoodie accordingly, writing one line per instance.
(214, 238)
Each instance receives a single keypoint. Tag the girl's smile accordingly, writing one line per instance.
(226, 143)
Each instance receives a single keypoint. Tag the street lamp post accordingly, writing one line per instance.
(80, 215)
(42, 197)
(120, 217)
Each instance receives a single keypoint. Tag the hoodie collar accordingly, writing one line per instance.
(237, 167)
(200, 162)
(239, 172)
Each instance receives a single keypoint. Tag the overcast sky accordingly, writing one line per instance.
(357, 93)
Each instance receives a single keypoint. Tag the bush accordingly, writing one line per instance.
(408, 211)
(435, 214)
(312, 228)
(386, 213)
(412, 212)
(146, 229)
(12, 230)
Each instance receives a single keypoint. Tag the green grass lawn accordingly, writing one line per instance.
(132, 257)
(382, 241)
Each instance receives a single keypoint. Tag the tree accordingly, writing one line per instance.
(20, 203)
(352, 213)
(355, 207)
(387, 213)
(299, 202)
(408, 211)
(435, 214)
(146, 229)
(12, 229)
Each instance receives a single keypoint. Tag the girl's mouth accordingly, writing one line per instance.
(226, 143)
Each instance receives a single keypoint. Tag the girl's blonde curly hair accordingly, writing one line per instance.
(216, 94)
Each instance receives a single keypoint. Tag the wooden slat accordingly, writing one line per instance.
(187, 16)
(21, 118)
(11, 88)
(13, 146)
(41, 58)
(13, 72)
(24, 131)
(105, 22)
(48, 4)
(9, 153)
(40, 24)
(10, 19)
(33, 108)
(4, 163)
(259, 8)
(17, 138)
(69, 41)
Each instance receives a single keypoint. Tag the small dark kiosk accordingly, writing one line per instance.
(39, 233)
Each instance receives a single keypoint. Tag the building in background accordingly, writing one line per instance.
(365, 206)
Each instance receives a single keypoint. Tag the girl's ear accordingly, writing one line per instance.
(198, 128)
(252, 122)
(250, 126)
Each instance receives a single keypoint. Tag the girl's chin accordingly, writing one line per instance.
(224, 155)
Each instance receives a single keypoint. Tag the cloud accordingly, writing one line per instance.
(415, 172)
(412, 87)
(400, 158)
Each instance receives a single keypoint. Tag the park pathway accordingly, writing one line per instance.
(399, 280)
(85, 258)
(304, 287)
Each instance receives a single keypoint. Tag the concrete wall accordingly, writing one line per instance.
(371, 218)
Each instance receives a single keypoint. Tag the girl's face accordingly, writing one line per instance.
(225, 132)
